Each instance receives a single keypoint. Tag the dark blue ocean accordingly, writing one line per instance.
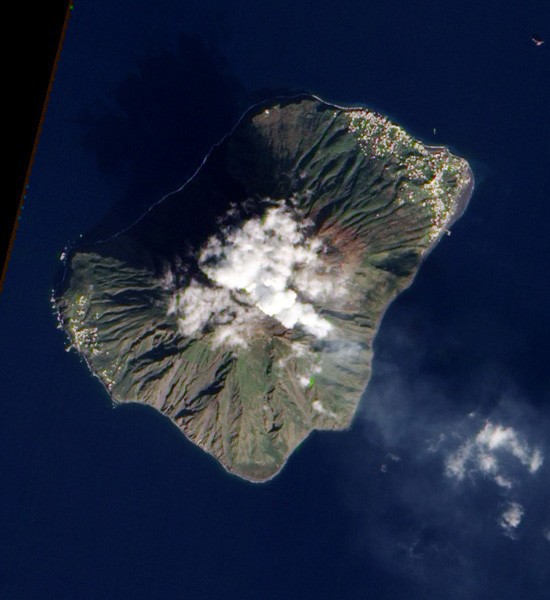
(108, 504)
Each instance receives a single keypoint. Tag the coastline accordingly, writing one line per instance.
(461, 202)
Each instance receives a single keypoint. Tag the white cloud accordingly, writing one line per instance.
(455, 465)
(198, 306)
(511, 517)
(269, 266)
(484, 454)
(495, 437)
(546, 533)
(304, 381)
(536, 461)
(318, 407)
(503, 482)
(391, 457)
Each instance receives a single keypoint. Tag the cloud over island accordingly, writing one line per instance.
(266, 266)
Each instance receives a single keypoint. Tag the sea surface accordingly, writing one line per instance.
(102, 503)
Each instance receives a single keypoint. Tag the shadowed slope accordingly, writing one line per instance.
(244, 306)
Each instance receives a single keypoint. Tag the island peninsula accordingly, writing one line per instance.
(244, 305)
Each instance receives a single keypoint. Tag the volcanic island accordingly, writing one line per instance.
(244, 305)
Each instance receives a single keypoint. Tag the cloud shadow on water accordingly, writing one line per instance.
(159, 124)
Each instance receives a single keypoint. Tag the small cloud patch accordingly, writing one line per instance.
(499, 454)
(319, 408)
(488, 453)
(510, 518)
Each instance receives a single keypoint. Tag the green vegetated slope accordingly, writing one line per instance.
(373, 199)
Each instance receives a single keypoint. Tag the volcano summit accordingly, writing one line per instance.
(244, 305)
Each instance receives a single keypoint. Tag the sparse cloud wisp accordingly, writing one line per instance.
(488, 452)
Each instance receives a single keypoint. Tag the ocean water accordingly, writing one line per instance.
(101, 503)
